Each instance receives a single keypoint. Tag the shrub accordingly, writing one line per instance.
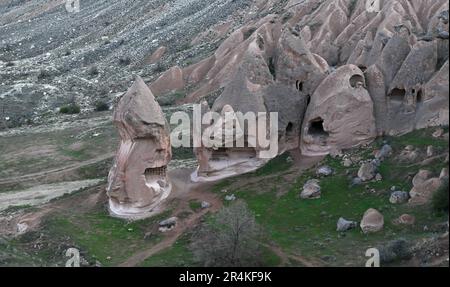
(229, 240)
(101, 106)
(70, 109)
(10, 64)
(125, 61)
(44, 74)
(440, 198)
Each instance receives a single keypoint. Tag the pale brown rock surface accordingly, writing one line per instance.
(138, 183)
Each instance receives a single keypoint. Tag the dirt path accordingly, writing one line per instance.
(183, 191)
(67, 168)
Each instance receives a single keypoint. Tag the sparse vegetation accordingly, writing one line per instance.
(230, 239)
(70, 109)
(170, 99)
(101, 106)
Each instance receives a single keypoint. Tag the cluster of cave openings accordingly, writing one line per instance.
(397, 95)
(316, 129)
(357, 81)
(156, 173)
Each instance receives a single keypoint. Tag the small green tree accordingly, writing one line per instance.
(229, 240)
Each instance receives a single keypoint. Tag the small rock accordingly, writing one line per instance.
(324, 171)
(421, 176)
(169, 223)
(438, 133)
(405, 219)
(230, 197)
(22, 228)
(430, 151)
(373, 221)
(367, 171)
(378, 177)
(399, 197)
(206, 204)
(311, 189)
(344, 225)
(347, 162)
(444, 174)
(384, 152)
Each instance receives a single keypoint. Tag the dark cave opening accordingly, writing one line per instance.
(397, 95)
(316, 128)
(356, 81)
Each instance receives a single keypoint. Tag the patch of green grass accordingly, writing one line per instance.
(102, 236)
(308, 227)
(178, 255)
(195, 205)
(276, 165)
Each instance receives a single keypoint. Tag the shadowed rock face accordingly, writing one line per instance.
(138, 183)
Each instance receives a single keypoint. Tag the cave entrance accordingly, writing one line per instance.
(289, 129)
(317, 131)
(397, 95)
(419, 98)
(154, 174)
(357, 81)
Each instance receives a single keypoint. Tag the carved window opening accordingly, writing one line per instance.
(397, 95)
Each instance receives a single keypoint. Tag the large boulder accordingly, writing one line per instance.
(367, 171)
(373, 221)
(345, 225)
(137, 182)
(311, 190)
(398, 197)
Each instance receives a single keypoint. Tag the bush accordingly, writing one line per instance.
(125, 61)
(70, 109)
(10, 64)
(170, 99)
(101, 106)
(229, 240)
(440, 198)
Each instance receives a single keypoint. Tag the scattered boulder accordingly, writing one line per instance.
(367, 171)
(168, 224)
(421, 177)
(231, 197)
(324, 171)
(384, 152)
(311, 190)
(409, 154)
(405, 219)
(378, 177)
(422, 193)
(399, 197)
(205, 205)
(346, 162)
(438, 133)
(22, 228)
(356, 181)
(345, 225)
(373, 221)
(430, 151)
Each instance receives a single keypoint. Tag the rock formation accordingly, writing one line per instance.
(373, 221)
(138, 182)
(338, 75)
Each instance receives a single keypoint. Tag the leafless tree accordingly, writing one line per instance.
(230, 239)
